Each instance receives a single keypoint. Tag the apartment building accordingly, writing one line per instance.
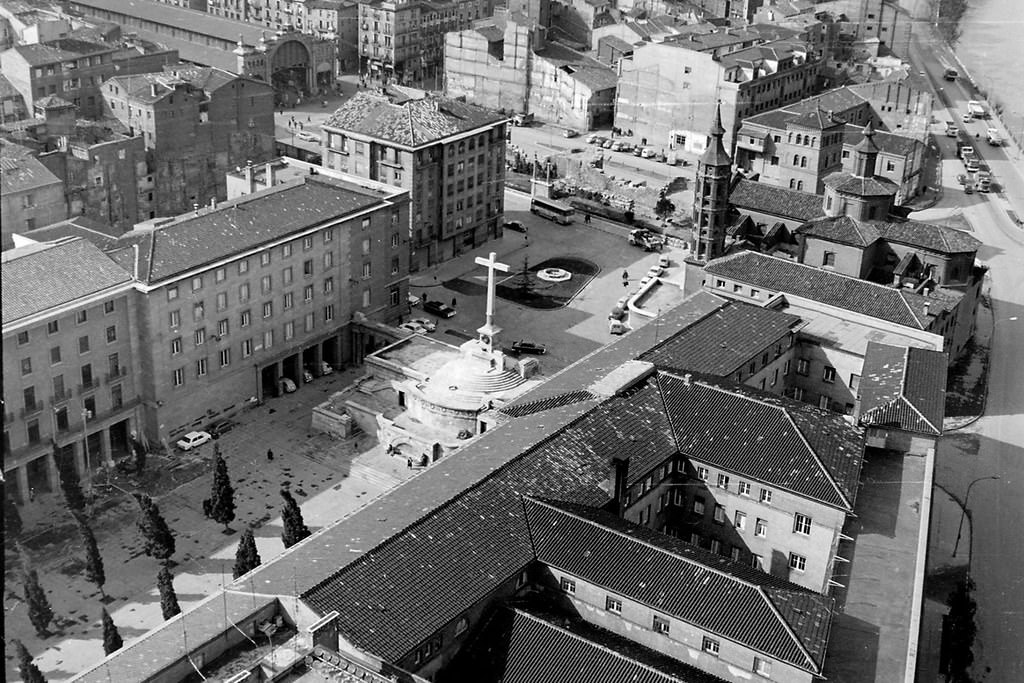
(667, 93)
(32, 196)
(199, 122)
(449, 155)
(71, 382)
(405, 40)
(75, 67)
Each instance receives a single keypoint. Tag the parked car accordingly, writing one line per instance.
(193, 440)
(412, 300)
(325, 368)
(648, 153)
(654, 271)
(569, 133)
(607, 144)
(620, 146)
(595, 139)
(413, 327)
(308, 137)
(220, 428)
(307, 376)
(439, 309)
(426, 323)
(617, 327)
(515, 225)
(287, 385)
(522, 119)
(969, 188)
(523, 346)
(664, 261)
(638, 151)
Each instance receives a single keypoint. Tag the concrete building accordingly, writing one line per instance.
(667, 94)
(506, 63)
(27, 23)
(74, 68)
(71, 379)
(450, 155)
(12, 104)
(198, 123)
(31, 195)
(405, 41)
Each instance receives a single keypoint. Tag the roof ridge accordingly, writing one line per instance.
(913, 314)
(644, 542)
(812, 268)
(821, 465)
(785, 624)
(593, 643)
(903, 394)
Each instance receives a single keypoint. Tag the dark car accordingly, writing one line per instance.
(439, 309)
(515, 225)
(220, 428)
(523, 346)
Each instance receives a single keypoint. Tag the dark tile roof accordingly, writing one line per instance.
(579, 67)
(722, 342)
(203, 23)
(101, 234)
(938, 238)
(786, 444)
(750, 195)
(849, 293)
(412, 123)
(837, 100)
(729, 599)
(842, 181)
(38, 277)
(891, 143)
(542, 404)
(903, 387)
(37, 54)
(22, 173)
(244, 223)
(607, 358)
(526, 643)
(842, 229)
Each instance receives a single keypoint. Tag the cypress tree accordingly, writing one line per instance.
(159, 541)
(247, 557)
(12, 518)
(220, 506)
(69, 481)
(93, 560)
(295, 528)
(961, 630)
(111, 638)
(168, 598)
(39, 611)
(27, 669)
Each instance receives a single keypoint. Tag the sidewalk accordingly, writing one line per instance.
(329, 478)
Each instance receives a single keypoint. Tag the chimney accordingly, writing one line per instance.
(269, 173)
(154, 89)
(213, 203)
(620, 473)
(195, 208)
(250, 187)
(927, 307)
(686, 379)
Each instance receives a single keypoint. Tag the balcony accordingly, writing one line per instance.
(60, 397)
(93, 383)
(30, 410)
(117, 374)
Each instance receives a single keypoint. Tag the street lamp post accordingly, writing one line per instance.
(964, 512)
(86, 414)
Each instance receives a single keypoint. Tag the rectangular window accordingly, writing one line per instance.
(719, 514)
(265, 258)
(200, 336)
(222, 328)
(661, 625)
(801, 524)
(716, 546)
(243, 266)
(567, 585)
(268, 339)
(307, 242)
(394, 296)
(744, 488)
(22, 338)
(286, 250)
(307, 293)
(81, 317)
(201, 367)
(289, 300)
(309, 321)
(613, 605)
(828, 258)
(761, 528)
(723, 481)
(83, 345)
(328, 235)
(329, 312)
(329, 260)
(854, 382)
(328, 285)
(710, 645)
(178, 377)
(222, 301)
(797, 562)
(266, 284)
(220, 274)
(394, 239)
(286, 275)
(268, 309)
(198, 310)
(366, 298)
(55, 355)
(245, 318)
(766, 496)
(702, 473)
(824, 402)
(366, 270)
(176, 346)
(740, 520)
(172, 293)
(26, 365)
(307, 268)
(757, 562)
(243, 292)
(246, 348)
(289, 330)
(197, 283)
(762, 667)
(111, 334)
(828, 374)
(366, 245)
(803, 366)
(698, 505)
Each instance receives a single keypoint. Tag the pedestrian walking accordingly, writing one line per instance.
(270, 455)
(453, 302)
(31, 494)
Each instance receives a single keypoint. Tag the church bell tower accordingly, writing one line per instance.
(711, 196)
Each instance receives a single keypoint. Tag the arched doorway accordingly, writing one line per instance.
(291, 69)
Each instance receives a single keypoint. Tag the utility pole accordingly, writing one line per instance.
(86, 414)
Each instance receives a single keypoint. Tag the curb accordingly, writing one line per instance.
(988, 372)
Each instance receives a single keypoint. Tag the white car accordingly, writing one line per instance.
(648, 153)
(654, 271)
(426, 323)
(193, 440)
(308, 137)
(413, 327)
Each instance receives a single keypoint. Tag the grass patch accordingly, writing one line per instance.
(527, 289)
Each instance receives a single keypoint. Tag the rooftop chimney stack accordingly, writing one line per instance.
(154, 89)
(250, 186)
(620, 473)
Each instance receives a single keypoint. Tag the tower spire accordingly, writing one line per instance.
(711, 195)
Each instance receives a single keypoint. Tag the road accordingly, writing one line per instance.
(995, 444)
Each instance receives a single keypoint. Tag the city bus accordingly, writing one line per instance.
(552, 210)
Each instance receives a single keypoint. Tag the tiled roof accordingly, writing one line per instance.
(842, 229)
(750, 195)
(52, 102)
(400, 592)
(787, 444)
(39, 277)
(723, 341)
(905, 387)
(6, 89)
(203, 23)
(849, 293)
(542, 404)
(523, 643)
(38, 54)
(101, 234)
(586, 70)
(413, 123)
(886, 142)
(715, 594)
(23, 173)
(843, 181)
(245, 223)
(929, 236)
(837, 100)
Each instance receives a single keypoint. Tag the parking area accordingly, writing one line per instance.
(569, 332)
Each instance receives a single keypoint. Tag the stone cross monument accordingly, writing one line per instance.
(490, 330)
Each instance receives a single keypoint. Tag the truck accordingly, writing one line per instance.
(646, 240)
(522, 119)
(994, 138)
(964, 144)
(948, 72)
(951, 129)
(976, 109)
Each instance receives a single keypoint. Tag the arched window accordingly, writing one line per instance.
(799, 139)
(803, 162)
(792, 183)
(799, 184)
(796, 159)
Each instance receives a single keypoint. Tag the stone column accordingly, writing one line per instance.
(105, 450)
(52, 475)
(22, 478)
(81, 463)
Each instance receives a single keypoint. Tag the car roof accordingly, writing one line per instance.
(192, 435)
